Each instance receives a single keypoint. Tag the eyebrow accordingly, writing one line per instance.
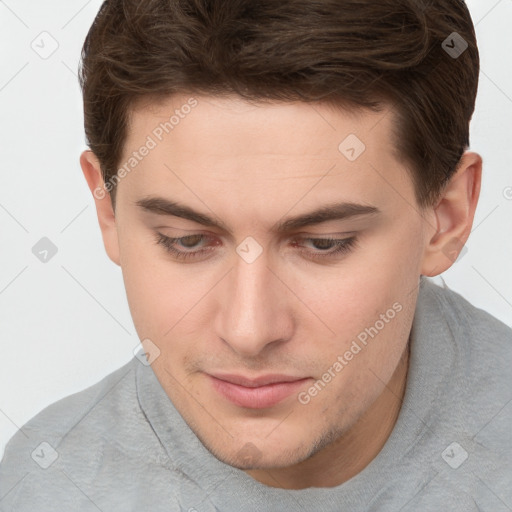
(329, 212)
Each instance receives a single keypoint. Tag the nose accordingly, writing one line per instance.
(254, 308)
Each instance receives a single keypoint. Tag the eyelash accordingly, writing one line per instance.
(342, 246)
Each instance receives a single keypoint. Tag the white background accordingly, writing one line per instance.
(65, 324)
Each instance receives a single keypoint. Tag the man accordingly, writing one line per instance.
(277, 181)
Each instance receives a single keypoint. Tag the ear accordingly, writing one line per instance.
(106, 218)
(454, 214)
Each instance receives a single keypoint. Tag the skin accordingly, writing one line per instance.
(251, 166)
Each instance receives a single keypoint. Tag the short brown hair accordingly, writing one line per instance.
(355, 53)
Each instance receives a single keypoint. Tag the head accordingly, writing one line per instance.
(311, 159)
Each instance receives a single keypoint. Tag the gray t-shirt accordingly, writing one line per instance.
(120, 445)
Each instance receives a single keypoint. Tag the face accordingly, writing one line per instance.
(257, 242)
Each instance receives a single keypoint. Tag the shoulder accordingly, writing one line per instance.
(80, 446)
(58, 419)
(477, 397)
(481, 346)
(478, 331)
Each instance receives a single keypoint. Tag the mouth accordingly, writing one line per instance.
(259, 393)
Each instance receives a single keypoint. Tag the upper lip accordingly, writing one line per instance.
(262, 380)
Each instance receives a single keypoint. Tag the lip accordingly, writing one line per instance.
(259, 393)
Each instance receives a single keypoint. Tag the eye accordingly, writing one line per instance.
(192, 247)
(328, 247)
(172, 245)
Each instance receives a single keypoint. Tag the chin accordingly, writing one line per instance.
(255, 454)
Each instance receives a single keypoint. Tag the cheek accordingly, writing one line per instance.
(370, 302)
(159, 293)
(354, 296)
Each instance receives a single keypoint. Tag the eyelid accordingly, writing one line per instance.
(299, 235)
(337, 234)
(354, 222)
(341, 247)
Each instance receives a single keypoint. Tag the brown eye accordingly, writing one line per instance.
(324, 248)
(323, 243)
(190, 241)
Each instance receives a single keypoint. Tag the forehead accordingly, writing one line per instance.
(238, 124)
(274, 150)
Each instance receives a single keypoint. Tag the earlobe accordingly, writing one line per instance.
(454, 215)
(92, 172)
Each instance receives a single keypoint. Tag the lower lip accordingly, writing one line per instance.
(257, 398)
